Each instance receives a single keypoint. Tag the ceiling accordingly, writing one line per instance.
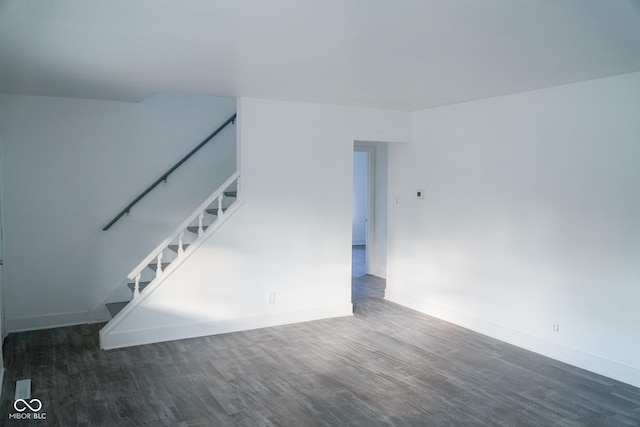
(401, 54)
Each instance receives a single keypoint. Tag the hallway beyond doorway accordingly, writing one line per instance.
(364, 285)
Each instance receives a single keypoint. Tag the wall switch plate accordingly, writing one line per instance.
(272, 297)
(420, 194)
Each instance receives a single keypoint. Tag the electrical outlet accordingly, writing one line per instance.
(556, 327)
(272, 297)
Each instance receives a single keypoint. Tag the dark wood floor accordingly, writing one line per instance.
(385, 366)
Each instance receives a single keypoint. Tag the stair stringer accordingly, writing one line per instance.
(107, 331)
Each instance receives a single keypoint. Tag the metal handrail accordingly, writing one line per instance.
(164, 177)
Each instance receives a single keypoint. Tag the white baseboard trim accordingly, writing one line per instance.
(599, 365)
(34, 323)
(116, 339)
(380, 273)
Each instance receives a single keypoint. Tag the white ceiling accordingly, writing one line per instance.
(402, 54)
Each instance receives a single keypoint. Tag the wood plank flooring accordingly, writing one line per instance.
(385, 366)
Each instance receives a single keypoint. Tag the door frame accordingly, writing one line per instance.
(370, 240)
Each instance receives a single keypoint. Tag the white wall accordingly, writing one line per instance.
(292, 236)
(2, 335)
(69, 166)
(531, 217)
(360, 199)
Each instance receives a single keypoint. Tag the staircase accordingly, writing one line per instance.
(177, 247)
(156, 267)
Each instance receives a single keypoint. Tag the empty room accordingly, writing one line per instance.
(320, 213)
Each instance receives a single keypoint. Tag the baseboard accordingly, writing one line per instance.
(378, 272)
(33, 323)
(599, 365)
(147, 336)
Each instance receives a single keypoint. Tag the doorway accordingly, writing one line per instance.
(361, 211)
(369, 221)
